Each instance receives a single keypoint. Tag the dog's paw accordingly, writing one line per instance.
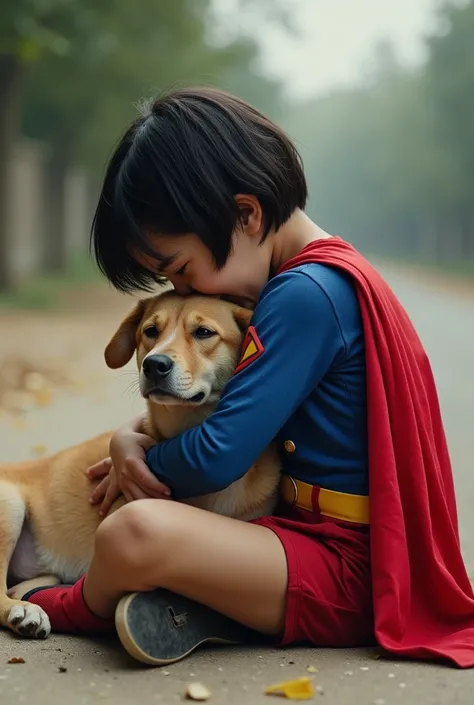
(29, 620)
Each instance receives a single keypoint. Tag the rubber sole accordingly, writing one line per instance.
(159, 627)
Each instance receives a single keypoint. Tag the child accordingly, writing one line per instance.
(207, 193)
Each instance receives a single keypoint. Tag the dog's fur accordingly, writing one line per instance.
(47, 524)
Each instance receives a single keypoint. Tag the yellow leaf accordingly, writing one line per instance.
(44, 397)
(39, 449)
(312, 669)
(298, 689)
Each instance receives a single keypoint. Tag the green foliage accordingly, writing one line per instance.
(391, 165)
(47, 291)
(30, 28)
(82, 101)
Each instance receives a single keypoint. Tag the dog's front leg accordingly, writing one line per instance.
(21, 617)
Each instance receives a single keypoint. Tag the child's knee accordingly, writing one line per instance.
(127, 534)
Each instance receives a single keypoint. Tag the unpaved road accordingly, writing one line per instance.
(99, 670)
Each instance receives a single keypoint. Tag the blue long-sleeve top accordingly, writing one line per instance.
(308, 385)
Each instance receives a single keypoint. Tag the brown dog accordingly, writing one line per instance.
(186, 350)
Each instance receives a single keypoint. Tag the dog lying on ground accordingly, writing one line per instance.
(186, 350)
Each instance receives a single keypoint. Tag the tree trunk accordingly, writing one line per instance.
(11, 82)
(56, 253)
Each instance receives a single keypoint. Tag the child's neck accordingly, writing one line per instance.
(293, 236)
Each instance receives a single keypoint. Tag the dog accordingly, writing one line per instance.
(186, 350)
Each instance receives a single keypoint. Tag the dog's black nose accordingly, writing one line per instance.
(157, 366)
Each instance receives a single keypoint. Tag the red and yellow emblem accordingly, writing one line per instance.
(252, 348)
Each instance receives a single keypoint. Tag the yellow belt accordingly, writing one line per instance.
(336, 505)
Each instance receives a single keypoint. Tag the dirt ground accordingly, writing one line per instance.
(84, 398)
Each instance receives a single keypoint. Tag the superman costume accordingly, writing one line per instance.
(413, 593)
(368, 516)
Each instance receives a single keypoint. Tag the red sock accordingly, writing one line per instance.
(68, 612)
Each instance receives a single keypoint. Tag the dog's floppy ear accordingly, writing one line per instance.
(124, 342)
(242, 317)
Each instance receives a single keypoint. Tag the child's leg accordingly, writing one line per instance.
(236, 568)
(292, 580)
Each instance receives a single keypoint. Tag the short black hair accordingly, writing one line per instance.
(177, 169)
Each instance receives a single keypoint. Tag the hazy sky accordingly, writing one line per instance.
(337, 38)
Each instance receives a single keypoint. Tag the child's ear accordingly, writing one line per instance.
(251, 214)
(124, 341)
(242, 317)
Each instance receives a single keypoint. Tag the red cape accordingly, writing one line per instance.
(423, 599)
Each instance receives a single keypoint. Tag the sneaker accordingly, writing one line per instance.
(160, 627)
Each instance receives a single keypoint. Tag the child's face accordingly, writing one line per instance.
(241, 279)
(243, 276)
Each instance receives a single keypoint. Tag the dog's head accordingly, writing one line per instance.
(186, 347)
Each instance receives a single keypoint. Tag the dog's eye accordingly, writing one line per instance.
(202, 332)
(151, 332)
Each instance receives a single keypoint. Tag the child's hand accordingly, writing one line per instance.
(107, 490)
(126, 471)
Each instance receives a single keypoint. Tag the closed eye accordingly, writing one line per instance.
(181, 270)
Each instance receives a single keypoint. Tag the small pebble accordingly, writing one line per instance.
(319, 689)
(391, 675)
(348, 673)
(165, 673)
(364, 668)
(197, 691)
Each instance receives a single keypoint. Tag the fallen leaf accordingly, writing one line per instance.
(312, 669)
(39, 449)
(197, 691)
(44, 397)
(298, 689)
(16, 659)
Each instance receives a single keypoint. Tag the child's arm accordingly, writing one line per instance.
(299, 331)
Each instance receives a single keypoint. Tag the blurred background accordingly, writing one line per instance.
(379, 99)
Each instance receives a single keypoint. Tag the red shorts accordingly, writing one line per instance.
(329, 594)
